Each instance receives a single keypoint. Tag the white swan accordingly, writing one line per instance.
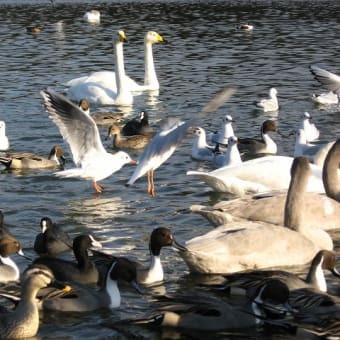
(319, 210)
(92, 17)
(248, 245)
(269, 104)
(257, 175)
(4, 143)
(107, 79)
(102, 94)
(311, 131)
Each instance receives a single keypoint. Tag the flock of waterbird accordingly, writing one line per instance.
(284, 224)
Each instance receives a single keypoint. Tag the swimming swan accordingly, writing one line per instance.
(249, 245)
(257, 175)
(107, 79)
(320, 210)
(100, 93)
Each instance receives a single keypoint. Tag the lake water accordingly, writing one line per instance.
(203, 53)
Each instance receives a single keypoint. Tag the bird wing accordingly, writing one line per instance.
(77, 128)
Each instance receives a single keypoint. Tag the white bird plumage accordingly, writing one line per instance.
(103, 93)
(92, 16)
(269, 104)
(81, 133)
(311, 131)
(107, 79)
(201, 150)
(4, 143)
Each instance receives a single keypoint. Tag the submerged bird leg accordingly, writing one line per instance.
(151, 187)
(97, 187)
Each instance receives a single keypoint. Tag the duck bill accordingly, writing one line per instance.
(61, 286)
(178, 246)
(135, 285)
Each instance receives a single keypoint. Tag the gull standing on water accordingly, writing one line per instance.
(81, 133)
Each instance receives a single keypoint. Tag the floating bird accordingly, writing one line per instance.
(269, 104)
(138, 126)
(245, 27)
(86, 299)
(230, 157)
(164, 143)
(100, 94)
(159, 238)
(227, 131)
(52, 240)
(108, 79)
(26, 160)
(80, 131)
(311, 131)
(201, 150)
(23, 322)
(100, 118)
(244, 245)
(136, 142)
(265, 145)
(92, 17)
(4, 143)
(83, 271)
(329, 80)
(34, 29)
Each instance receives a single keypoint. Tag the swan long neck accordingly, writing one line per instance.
(120, 70)
(293, 214)
(150, 77)
(330, 175)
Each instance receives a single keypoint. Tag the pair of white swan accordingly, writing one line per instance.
(320, 211)
(114, 88)
(248, 245)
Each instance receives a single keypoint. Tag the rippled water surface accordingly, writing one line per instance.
(204, 52)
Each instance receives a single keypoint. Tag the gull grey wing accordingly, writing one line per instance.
(329, 80)
(77, 128)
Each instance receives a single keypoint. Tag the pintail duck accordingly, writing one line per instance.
(138, 126)
(83, 271)
(159, 238)
(17, 160)
(315, 278)
(101, 119)
(52, 240)
(329, 80)
(202, 312)
(23, 322)
(201, 150)
(81, 132)
(136, 142)
(4, 143)
(86, 299)
(9, 270)
(265, 145)
(269, 104)
(244, 245)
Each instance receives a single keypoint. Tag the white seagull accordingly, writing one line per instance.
(269, 104)
(80, 131)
